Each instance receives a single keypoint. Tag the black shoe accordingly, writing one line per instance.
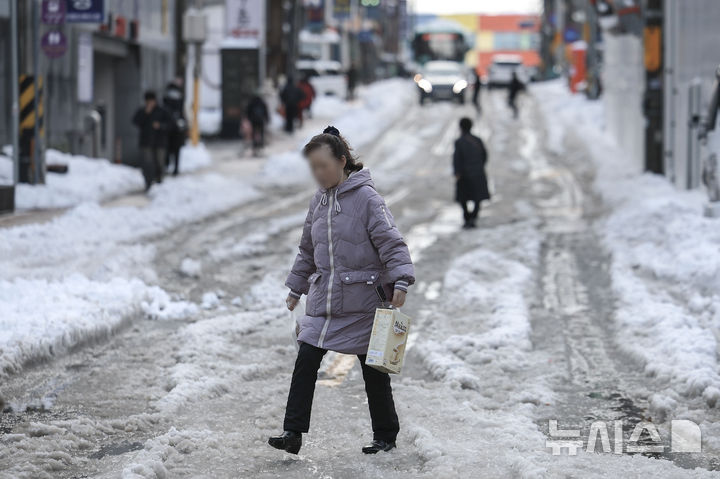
(289, 441)
(378, 445)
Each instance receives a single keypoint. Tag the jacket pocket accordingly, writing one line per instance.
(315, 296)
(358, 291)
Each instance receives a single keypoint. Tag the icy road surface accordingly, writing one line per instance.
(512, 328)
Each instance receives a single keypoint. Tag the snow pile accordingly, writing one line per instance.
(329, 106)
(166, 450)
(82, 275)
(41, 319)
(90, 179)
(210, 300)
(87, 179)
(193, 158)
(666, 261)
(360, 123)
(284, 169)
(6, 170)
(191, 268)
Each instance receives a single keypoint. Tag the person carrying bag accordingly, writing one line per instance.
(349, 246)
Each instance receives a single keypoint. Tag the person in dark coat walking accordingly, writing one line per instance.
(154, 122)
(174, 103)
(352, 80)
(258, 116)
(469, 166)
(291, 96)
(515, 87)
(477, 84)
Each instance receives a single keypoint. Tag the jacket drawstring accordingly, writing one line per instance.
(324, 201)
(337, 203)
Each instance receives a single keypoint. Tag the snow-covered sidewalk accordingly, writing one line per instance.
(665, 257)
(89, 179)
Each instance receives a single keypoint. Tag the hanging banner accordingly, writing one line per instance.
(85, 11)
(245, 19)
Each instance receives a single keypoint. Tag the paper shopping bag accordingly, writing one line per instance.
(387, 341)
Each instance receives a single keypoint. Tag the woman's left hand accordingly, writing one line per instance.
(398, 298)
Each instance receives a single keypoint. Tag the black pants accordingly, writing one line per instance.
(258, 134)
(291, 113)
(470, 215)
(153, 165)
(174, 153)
(513, 106)
(384, 419)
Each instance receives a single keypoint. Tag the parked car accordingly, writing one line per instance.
(501, 70)
(326, 76)
(442, 80)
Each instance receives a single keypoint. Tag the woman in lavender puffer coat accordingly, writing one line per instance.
(350, 246)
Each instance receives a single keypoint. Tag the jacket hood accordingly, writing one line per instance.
(353, 182)
(356, 180)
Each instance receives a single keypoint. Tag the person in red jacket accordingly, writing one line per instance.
(305, 104)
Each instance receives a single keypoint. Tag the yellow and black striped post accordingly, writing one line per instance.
(27, 102)
(28, 120)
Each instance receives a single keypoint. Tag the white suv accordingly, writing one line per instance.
(501, 70)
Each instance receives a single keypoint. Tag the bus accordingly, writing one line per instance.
(440, 39)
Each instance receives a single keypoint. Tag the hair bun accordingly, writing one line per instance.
(331, 130)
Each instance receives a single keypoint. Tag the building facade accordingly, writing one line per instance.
(91, 90)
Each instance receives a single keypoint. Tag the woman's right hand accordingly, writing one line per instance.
(291, 302)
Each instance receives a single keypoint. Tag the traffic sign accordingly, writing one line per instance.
(54, 44)
(53, 12)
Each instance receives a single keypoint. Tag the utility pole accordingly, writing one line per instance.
(14, 82)
(293, 13)
(38, 147)
(180, 50)
(654, 94)
(194, 31)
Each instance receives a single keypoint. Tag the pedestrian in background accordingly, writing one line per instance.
(258, 115)
(477, 84)
(153, 123)
(352, 80)
(308, 98)
(174, 103)
(515, 87)
(469, 162)
(349, 248)
(291, 96)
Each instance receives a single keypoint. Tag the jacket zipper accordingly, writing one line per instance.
(386, 216)
(328, 301)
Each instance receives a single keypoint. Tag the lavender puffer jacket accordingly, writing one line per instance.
(349, 246)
